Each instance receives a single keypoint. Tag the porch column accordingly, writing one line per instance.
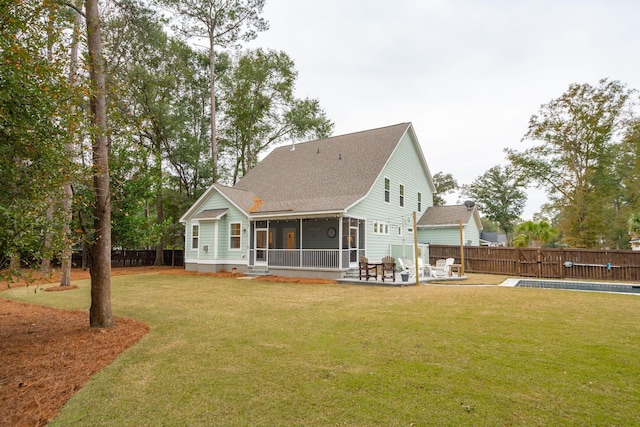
(340, 220)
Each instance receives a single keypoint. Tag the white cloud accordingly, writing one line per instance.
(467, 74)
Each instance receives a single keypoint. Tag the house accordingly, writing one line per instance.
(312, 209)
(442, 225)
(493, 238)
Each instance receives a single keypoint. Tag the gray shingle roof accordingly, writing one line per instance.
(211, 213)
(446, 215)
(323, 175)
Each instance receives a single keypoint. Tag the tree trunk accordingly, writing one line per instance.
(67, 212)
(100, 315)
(14, 264)
(45, 264)
(214, 144)
(159, 220)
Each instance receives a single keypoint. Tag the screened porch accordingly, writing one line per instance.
(332, 243)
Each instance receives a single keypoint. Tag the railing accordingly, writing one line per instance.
(304, 258)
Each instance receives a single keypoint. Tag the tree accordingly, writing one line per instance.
(100, 315)
(34, 123)
(445, 184)
(575, 155)
(67, 188)
(634, 224)
(534, 234)
(159, 93)
(260, 110)
(223, 23)
(500, 195)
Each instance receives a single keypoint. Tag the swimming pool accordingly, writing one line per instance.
(579, 286)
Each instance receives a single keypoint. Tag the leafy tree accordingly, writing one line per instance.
(223, 23)
(260, 109)
(634, 224)
(489, 226)
(34, 123)
(574, 157)
(534, 234)
(500, 195)
(160, 102)
(445, 184)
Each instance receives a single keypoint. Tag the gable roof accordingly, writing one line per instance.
(317, 177)
(449, 216)
(324, 175)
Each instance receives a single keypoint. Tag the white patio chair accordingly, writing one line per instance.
(406, 266)
(440, 269)
(425, 269)
(449, 262)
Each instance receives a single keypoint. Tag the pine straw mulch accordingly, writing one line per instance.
(47, 354)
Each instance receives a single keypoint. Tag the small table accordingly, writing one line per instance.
(457, 268)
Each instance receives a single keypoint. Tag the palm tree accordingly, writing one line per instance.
(533, 234)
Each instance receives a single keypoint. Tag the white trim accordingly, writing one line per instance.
(215, 239)
(384, 181)
(239, 248)
(205, 196)
(215, 261)
(197, 248)
(296, 215)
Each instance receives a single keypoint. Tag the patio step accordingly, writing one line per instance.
(352, 273)
(258, 271)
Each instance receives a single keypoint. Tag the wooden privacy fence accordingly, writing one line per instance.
(592, 264)
(137, 258)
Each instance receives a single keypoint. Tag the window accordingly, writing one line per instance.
(380, 228)
(387, 190)
(234, 235)
(419, 202)
(401, 195)
(195, 231)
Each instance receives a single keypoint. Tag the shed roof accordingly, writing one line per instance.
(446, 216)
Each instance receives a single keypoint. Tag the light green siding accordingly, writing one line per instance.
(440, 236)
(403, 168)
(451, 235)
(216, 234)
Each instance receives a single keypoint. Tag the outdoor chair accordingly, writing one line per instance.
(407, 266)
(440, 269)
(449, 262)
(388, 268)
(367, 270)
(402, 266)
(425, 270)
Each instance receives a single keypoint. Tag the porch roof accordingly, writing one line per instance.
(211, 214)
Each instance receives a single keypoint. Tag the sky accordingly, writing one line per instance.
(467, 74)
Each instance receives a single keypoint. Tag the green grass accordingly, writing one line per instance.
(243, 352)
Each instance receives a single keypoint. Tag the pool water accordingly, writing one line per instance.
(579, 286)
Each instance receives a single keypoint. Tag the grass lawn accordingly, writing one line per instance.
(244, 352)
